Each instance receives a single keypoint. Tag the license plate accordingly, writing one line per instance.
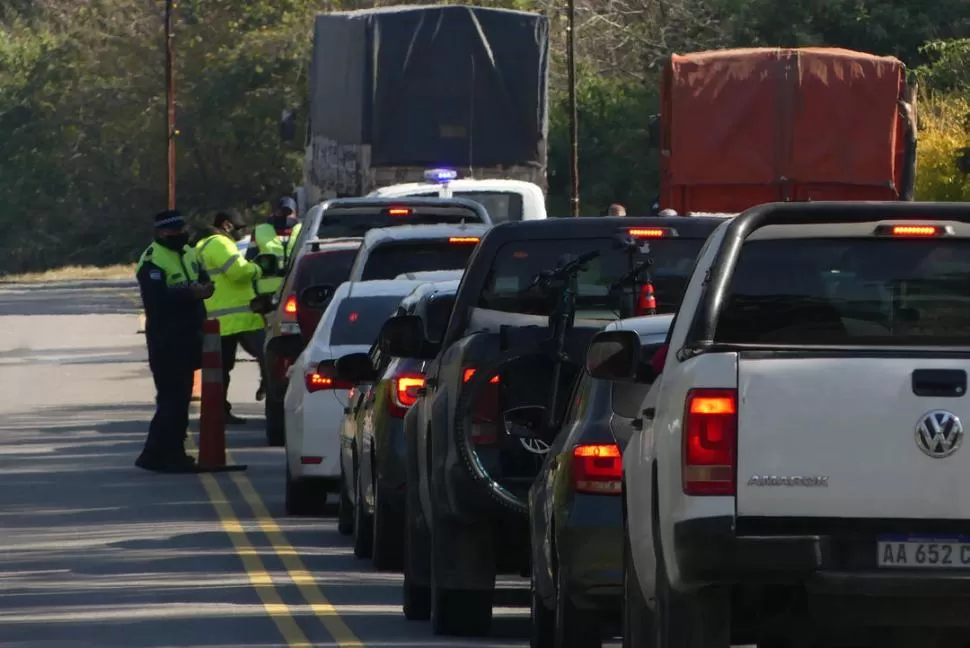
(923, 553)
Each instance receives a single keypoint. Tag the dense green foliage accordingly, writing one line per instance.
(82, 130)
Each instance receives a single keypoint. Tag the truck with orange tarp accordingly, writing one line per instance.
(743, 127)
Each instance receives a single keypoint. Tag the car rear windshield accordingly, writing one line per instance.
(388, 260)
(501, 206)
(358, 320)
(517, 263)
(324, 268)
(356, 221)
(849, 292)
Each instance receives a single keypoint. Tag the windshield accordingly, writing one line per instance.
(849, 292)
(517, 263)
(358, 320)
(325, 268)
(388, 260)
(340, 221)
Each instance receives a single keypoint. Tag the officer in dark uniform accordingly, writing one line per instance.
(173, 287)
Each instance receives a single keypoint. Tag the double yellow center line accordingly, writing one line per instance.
(262, 582)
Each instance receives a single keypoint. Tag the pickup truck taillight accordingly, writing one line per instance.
(486, 416)
(324, 377)
(597, 469)
(403, 393)
(710, 442)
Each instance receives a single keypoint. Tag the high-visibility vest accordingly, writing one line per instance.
(269, 242)
(179, 269)
(233, 278)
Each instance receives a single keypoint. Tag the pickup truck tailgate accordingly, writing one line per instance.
(859, 422)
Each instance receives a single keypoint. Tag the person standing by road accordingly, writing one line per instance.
(278, 237)
(234, 279)
(173, 289)
(616, 209)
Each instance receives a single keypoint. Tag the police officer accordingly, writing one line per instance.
(173, 289)
(278, 237)
(233, 277)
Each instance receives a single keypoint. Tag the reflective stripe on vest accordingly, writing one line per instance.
(230, 302)
(215, 272)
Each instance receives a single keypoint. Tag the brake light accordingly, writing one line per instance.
(647, 301)
(486, 413)
(324, 378)
(398, 211)
(471, 372)
(463, 239)
(915, 230)
(646, 232)
(597, 469)
(403, 393)
(290, 306)
(709, 462)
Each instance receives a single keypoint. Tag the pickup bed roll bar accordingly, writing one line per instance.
(700, 336)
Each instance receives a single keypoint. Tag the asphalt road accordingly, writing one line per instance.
(95, 552)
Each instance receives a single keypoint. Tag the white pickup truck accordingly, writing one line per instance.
(798, 479)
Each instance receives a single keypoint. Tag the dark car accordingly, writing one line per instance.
(575, 508)
(471, 459)
(375, 438)
(291, 325)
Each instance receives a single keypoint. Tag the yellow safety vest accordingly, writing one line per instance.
(179, 270)
(269, 242)
(233, 278)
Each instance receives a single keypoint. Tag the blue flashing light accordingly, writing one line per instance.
(440, 176)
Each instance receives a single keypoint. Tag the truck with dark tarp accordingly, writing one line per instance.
(398, 90)
(741, 127)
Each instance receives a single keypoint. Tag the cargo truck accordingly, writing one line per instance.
(396, 91)
(741, 127)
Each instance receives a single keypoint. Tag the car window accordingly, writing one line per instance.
(388, 260)
(579, 402)
(324, 268)
(626, 397)
(853, 291)
(437, 315)
(501, 206)
(517, 263)
(358, 320)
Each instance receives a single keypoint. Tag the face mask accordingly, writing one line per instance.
(175, 241)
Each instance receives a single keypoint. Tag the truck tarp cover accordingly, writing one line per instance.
(428, 86)
(761, 116)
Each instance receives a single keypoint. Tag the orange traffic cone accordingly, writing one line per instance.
(197, 385)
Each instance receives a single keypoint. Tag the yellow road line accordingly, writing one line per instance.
(261, 580)
(301, 577)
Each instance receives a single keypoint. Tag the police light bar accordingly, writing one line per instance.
(917, 231)
(440, 176)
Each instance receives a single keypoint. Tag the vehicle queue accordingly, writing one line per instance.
(483, 400)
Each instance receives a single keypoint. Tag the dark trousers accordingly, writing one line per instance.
(167, 432)
(252, 343)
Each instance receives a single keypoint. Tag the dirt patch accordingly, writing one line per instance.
(74, 273)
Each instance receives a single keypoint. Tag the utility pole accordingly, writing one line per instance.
(573, 119)
(170, 130)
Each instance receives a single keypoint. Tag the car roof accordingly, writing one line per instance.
(643, 326)
(461, 184)
(343, 242)
(442, 276)
(430, 289)
(376, 288)
(420, 232)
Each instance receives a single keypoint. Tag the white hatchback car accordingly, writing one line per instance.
(314, 406)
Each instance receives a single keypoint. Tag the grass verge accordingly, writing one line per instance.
(74, 273)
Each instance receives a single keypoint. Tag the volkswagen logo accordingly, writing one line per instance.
(939, 434)
(535, 446)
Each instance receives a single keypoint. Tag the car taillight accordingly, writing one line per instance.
(403, 393)
(290, 308)
(324, 377)
(486, 413)
(463, 239)
(597, 469)
(710, 442)
(647, 300)
(647, 232)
